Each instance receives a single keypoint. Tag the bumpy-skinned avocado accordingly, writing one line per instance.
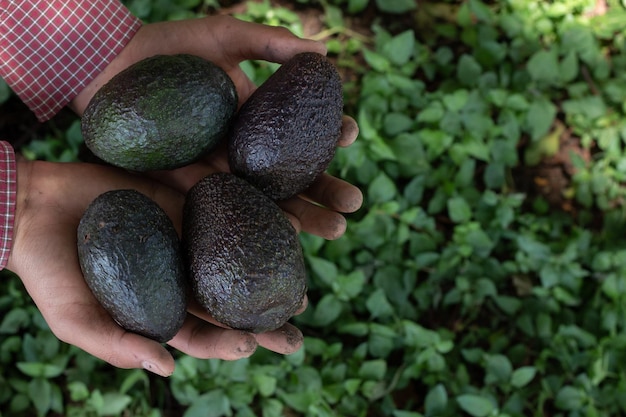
(163, 112)
(243, 256)
(130, 256)
(285, 134)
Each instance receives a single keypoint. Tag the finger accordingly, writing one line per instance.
(315, 219)
(349, 131)
(91, 329)
(285, 340)
(101, 337)
(264, 42)
(200, 312)
(335, 194)
(204, 340)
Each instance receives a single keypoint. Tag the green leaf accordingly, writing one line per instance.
(400, 48)
(475, 405)
(591, 107)
(356, 6)
(522, 376)
(114, 403)
(327, 310)
(498, 367)
(468, 70)
(401, 413)
(396, 123)
(543, 66)
(540, 117)
(436, 141)
(378, 305)
(210, 404)
(333, 16)
(376, 61)
(396, 6)
(78, 391)
(133, 378)
(354, 329)
(495, 175)
(382, 189)
(14, 320)
(431, 114)
(570, 398)
(323, 269)
(300, 401)
(517, 102)
(481, 10)
(373, 369)
(381, 340)
(436, 400)
(510, 305)
(40, 393)
(459, 210)
(457, 100)
(271, 408)
(349, 286)
(266, 384)
(37, 369)
(418, 336)
(568, 68)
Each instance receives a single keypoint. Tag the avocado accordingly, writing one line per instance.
(285, 134)
(162, 112)
(130, 256)
(243, 256)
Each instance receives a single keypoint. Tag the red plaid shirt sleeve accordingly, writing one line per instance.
(51, 49)
(7, 200)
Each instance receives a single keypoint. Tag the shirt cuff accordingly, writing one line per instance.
(8, 196)
(51, 49)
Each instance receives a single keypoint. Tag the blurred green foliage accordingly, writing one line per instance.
(469, 283)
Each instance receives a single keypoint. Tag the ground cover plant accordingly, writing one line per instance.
(485, 273)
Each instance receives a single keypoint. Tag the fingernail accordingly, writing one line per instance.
(149, 366)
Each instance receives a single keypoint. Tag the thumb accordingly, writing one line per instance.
(90, 328)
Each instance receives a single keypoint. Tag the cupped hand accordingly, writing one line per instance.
(227, 42)
(51, 199)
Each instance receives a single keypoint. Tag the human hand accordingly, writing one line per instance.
(227, 42)
(51, 199)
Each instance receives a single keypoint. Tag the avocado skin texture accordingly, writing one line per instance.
(243, 256)
(285, 134)
(163, 112)
(130, 256)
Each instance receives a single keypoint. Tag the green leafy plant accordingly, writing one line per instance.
(484, 275)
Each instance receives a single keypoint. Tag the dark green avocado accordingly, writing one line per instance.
(285, 134)
(243, 256)
(130, 256)
(163, 112)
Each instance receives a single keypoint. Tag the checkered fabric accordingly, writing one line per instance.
(51, 49)
(7, 200)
